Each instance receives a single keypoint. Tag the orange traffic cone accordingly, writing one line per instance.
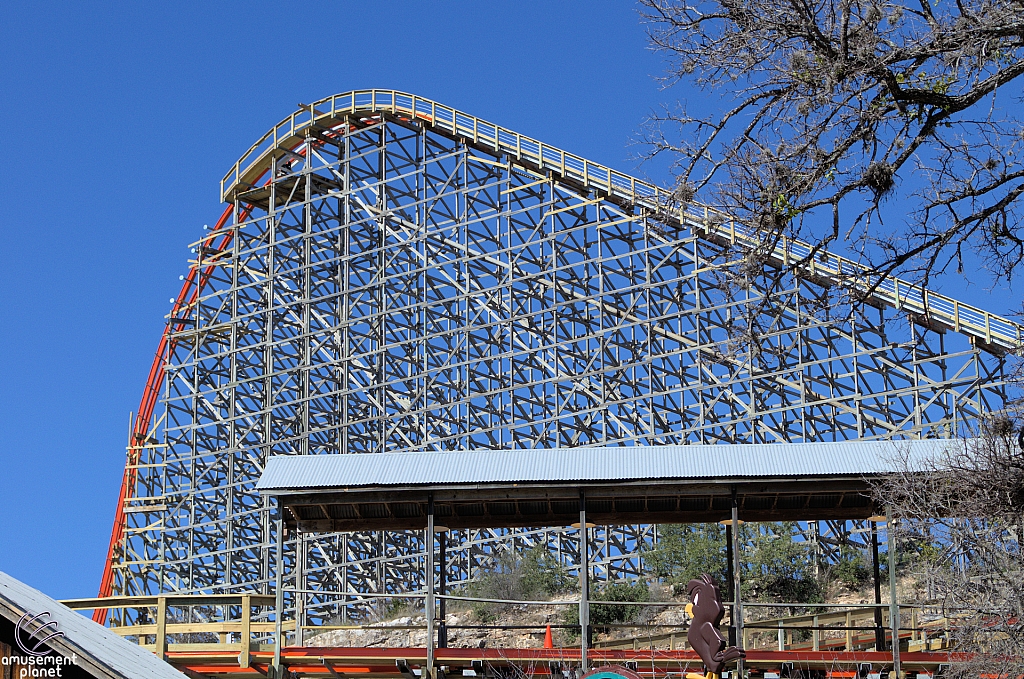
(548, 642)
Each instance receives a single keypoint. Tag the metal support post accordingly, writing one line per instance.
(894, 607)
(816, 548)
(300, 570)
(877, 575)
(736, 577)
(584, 583)
(278, 594)
(442, 587)
(730, 592)
(428, 671)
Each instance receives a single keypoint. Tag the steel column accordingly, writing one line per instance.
(737, 578)
(429, 607)
(877, 580)
(278, 595)
(584, 534)
(894, 607)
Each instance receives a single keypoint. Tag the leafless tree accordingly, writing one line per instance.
(965, 509)
(839, 114)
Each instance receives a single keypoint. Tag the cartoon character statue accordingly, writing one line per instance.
(707, 612)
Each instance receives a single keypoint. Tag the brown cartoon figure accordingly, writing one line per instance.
(707, 612)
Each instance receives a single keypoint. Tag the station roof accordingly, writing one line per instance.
(650, 484)
(96, 650)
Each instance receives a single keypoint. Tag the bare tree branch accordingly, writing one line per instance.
(848, 111)
(961, 515)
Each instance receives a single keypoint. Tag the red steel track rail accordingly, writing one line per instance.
(382, 662)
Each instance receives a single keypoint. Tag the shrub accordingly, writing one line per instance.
(546, 573)
(602, 616)
(685, 551)
(852, 570)
(774, 566)
(618, 591)
(533, 575)
(778, 568)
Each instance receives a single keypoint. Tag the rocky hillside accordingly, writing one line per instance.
(522, 626)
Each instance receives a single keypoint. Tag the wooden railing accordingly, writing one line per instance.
(236, 623)
(847, 629)
(169, 622)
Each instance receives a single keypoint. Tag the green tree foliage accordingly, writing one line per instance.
(618, 591)
(547, 575)
(534, 574)
(685, 551)
(601, 616)
(853, 570)
(775, 568)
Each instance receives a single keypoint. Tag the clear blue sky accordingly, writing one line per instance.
(118, 120)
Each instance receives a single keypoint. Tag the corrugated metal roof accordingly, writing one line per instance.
(100, 652)
(769, 460)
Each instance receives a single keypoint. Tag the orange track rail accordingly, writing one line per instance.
(381, 662)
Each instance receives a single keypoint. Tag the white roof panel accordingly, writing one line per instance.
(768, 460)
(98, 650)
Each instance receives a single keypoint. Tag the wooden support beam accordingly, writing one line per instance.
(849, 632)
(161, 628)
(244, 658)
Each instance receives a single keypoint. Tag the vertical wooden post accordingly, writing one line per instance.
(816, 643)
(849, 632)
(245, 635)
(161, 628)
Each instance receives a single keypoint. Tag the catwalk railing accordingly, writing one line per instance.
(193, 622)
(244, 624)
